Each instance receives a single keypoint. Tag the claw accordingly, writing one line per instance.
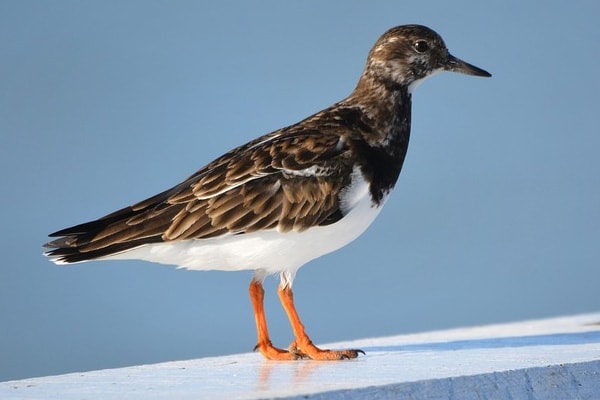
(351, 353)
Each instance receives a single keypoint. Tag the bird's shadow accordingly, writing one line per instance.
(554, 339)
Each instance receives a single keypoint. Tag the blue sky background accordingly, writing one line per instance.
(495, 218)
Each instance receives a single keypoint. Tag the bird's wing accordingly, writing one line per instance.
(280, 181)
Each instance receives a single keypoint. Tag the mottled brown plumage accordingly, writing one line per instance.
(287, 197)
(287, 180)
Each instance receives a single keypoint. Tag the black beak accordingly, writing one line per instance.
(454, 64)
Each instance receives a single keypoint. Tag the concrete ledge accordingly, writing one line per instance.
(560, 382)
(554, 358)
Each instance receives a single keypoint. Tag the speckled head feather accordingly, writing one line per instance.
(407, 54)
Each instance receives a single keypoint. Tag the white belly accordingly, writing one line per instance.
(267, 251)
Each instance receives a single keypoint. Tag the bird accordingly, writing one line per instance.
(285, 198)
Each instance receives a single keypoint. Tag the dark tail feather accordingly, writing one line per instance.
(70, 255)
(104, 237)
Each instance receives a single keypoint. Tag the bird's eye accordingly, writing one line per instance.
(421, 46)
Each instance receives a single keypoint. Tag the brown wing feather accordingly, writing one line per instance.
(288, 204)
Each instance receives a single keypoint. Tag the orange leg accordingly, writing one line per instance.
(303, 346)
(257, 294)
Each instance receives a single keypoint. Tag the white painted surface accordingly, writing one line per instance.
(553, 358)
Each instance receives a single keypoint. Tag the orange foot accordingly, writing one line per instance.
(309, 350)
(302, 347)
(271, 352)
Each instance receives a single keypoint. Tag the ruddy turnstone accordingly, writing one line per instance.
(286, 198)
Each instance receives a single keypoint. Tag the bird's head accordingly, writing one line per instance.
(406, 55)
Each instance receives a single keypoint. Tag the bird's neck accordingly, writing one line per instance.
(386, 111)
(387, 107)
